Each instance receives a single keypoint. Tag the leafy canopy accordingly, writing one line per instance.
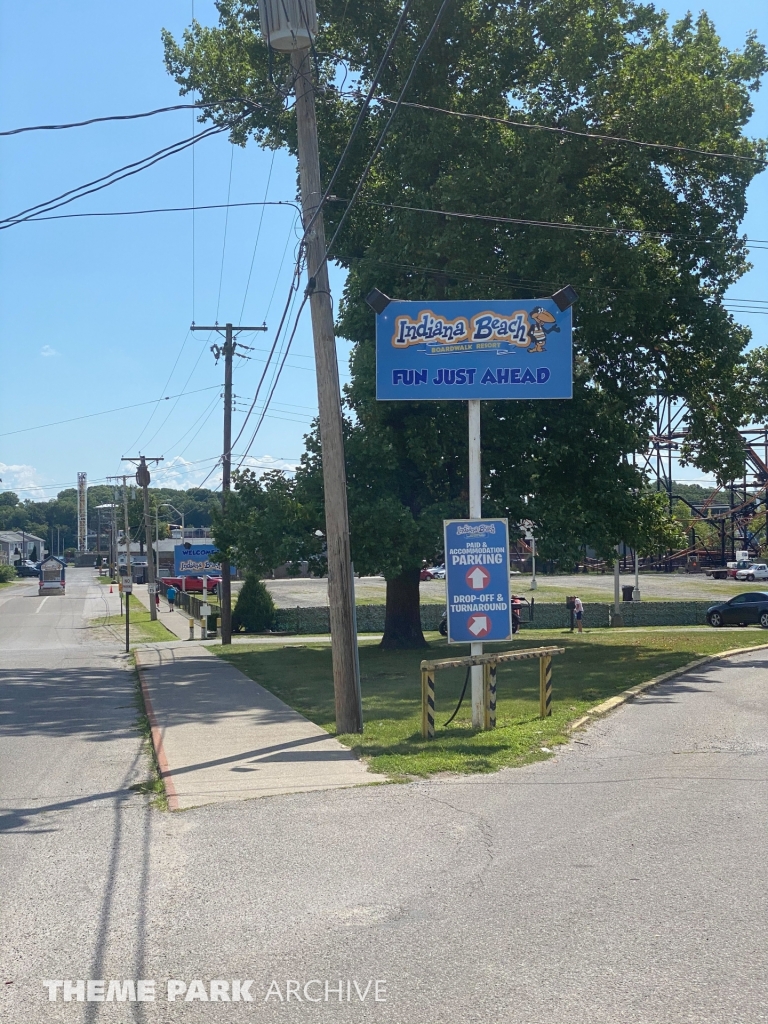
(649, 237)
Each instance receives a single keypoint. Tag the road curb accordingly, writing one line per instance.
(157, 739)
(633, 691)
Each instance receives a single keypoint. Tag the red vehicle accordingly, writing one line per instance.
(734, 567)
(193, 584)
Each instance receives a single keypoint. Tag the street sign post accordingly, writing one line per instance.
(468, 351)
(477, 580)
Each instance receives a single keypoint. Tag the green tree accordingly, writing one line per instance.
(648, 236)
(268, 524)
(255, 609)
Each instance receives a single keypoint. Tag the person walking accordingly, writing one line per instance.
(578, 611)
(157, 599)
(171, 596)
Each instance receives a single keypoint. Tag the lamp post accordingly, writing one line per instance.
(167, 504)
(617, 619)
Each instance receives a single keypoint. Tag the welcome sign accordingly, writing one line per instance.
(195, 560)
(467, 350)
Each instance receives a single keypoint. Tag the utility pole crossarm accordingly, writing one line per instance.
(223, 327)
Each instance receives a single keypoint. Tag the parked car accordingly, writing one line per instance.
(436, 572)
(742, 610)
(27, 568)
(735, 567)
(194, 584)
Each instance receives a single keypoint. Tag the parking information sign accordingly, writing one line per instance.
(477, 580)
(458, 350)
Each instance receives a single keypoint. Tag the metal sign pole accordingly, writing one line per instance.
(476, 512)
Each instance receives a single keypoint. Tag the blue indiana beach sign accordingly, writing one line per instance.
(195, 560)
(477, 580)
(495, 349)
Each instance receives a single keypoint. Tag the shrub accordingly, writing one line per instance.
(7, 573)
(255, 610)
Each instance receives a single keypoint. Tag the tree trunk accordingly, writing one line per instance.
(402, 620)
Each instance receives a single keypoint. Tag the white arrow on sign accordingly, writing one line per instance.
(478, 578)
(479, 624)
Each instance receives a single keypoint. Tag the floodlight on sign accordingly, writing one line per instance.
(565, 297)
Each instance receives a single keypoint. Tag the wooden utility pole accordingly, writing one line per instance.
(142, 479)
(340, 590)
(227, 350)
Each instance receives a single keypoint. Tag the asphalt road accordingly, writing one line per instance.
(624, 880)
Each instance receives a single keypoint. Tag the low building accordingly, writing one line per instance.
(17, 545)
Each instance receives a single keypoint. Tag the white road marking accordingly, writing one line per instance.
(41, 604)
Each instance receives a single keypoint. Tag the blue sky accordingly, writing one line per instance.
(94, 313)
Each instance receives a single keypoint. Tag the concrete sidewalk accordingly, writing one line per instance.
(220, 736)
(176, 622)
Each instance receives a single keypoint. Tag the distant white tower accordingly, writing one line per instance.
(82, 512)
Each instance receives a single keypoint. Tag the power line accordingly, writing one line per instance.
(109, 179)
(521, 284)
(279, 270)
(158, 209)
(558, 225)
(584, 135)
(226, 225)
(173, 369)
(385, 129)
(208, 410)
(258, 235)
(189, 378)
(275, 380)
(105, 412)
(99, 120)
(295, 279)
(361, 113)
(359, 186)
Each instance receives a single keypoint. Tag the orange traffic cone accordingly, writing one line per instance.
(110, 588)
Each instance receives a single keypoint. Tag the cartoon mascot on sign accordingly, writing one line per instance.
(543, 324)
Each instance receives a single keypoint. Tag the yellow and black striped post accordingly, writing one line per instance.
(490, 664)
(428, 703)
(545, 687)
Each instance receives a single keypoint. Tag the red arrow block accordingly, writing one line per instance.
(479, 626)
(477, 577)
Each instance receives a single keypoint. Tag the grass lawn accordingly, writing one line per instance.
(596, 665)
(143, 630)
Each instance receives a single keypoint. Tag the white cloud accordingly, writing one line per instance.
(24, 480)
(262, 463)
(47, 351)
(181, 473)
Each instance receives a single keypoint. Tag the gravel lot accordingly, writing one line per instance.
(305, 593)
